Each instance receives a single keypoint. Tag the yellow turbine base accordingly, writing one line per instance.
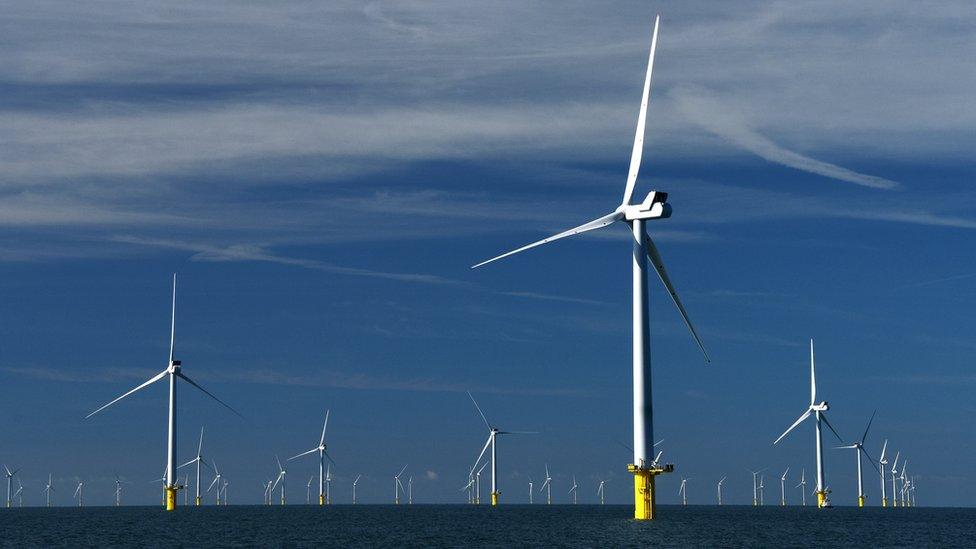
(860, 501)
(170, 498)
(755, 503)
(821, 499)
(321, 499)
(884, 502)
(494, 498)
(645, 501)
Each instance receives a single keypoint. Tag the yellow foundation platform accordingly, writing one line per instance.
(170, 498)
(645, 503)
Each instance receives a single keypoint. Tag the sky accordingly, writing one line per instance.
(323, 175)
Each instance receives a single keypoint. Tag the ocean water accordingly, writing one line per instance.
(482, 526)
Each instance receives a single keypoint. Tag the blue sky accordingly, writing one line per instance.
(323, 176)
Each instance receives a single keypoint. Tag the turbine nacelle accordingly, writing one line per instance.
(822, 407)
(174, 367)
(655, 206)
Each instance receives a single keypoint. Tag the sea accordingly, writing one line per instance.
(483, 526)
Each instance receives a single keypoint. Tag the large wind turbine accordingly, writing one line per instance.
(755, 487)
(817, 411)
(573, 490)
(599, 490)
(10, 477)
(79, 494)
(858, 448)
(493, 433)
(547, 486)
(883, 462)
(894, 471)
(720, 490)
(173, 370)
(322, 455)
(782, 487)
(198, 461)
(654, 206)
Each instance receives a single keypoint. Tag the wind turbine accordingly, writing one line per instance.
(803, 486)
(397, 486)
(280, 479)
(720, 490)
(817, 411)
(883, 462)
(762, 499)
(547, 486)
(173, 371)
(19, 493)
(267, 492)
(308, 490)
(198, 461)
(573, 489)
(216, 482)
(79, 494)
(904, 479)
(186, 486)
(118, 491)
(654, 206)
(328, 485)
(894, 471)
(755, 487)
(10, 478)
(410, 490)
(782, 487)
(599, 490)
(683, 491)
(493, 433)
(50, 488)
(226, 484)
(530, 490)
(470, 488)
(321, 449)
(354, 483)
(858, 448)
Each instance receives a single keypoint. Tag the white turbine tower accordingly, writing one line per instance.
(10, 477)
(720, 490)
(328, 485)
(267, 492)
(858, 448)
(50, 488)
(477, 484)
(493, 433)
(410, 490)
(79, 494)
(904, 480)
(280, 480)
(186, 487)
(308, 490)
(755, 487)
(683, 491)
(321, 449)
(354, 483)
(762, 498)
(397, 486)
(216, 482)
(654, 206)
(883, 462)
(172, 372)
(198, 461)
(816, 409)
(894, 471)
(599, 490)
(547, 486)
(573, 490)
(782, 487)
(470, 488)
(226, 484)
(803, 486)
(118, 491)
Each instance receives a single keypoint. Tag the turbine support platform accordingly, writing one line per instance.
(321, 499)
(860, 501)
(494, 498)
(171, 498)
(645, 500)
(197, 501)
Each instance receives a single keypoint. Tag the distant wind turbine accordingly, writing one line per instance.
(321, 449)
(762, 499)
(803, 486)
(49, 487)
(397, 486)
(858, 448)
(493, 433)
(10, 477)
(354, 483)
(720, 490)
(683, 491)
(19, 494)
(654, 206)
(782, 487)
(308, 490)
(573, 490)
(755, 487)
(817, 411)
(600, 489)
(172, 372)
(547, 486)
(410, 490)
(894, 471)
(79, 494)
(216, 482)
(198, 461)
(280, 480)
(883, 462)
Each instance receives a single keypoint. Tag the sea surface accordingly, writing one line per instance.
(482, 526)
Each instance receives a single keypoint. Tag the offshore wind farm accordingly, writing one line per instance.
(322, 240)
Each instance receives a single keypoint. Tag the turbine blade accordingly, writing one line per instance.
(813, 378)
(280, 468)
(212, 483)
(655, 257)
(845, 447)
(209, 394)
(795, 423)
(868, 428)
(883, 450)
(832, 430)
(518, 432)
(597, 223)
(638, 150)
(200, 447)
(277, 480)
(401, 471)
(481, 455)
(324, 427)
(479, 411)
(145, 384)
(191, 462)
(302, 454)
(172, 325)
(870, 459)
(329, 457)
